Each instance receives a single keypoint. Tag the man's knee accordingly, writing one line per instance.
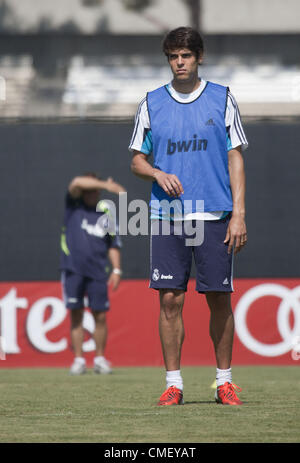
(171, 304)
(99, 317)
(218, 300)
(76, 317)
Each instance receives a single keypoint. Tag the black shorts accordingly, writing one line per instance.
(77, 287)
(171, 258)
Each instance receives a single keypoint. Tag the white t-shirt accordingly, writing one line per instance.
(141, 141)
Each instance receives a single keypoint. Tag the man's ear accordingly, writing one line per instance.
(200, 59)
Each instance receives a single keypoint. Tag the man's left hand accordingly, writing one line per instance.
(114, 281)
(236, 235)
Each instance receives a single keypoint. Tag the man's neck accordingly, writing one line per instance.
(186, 87)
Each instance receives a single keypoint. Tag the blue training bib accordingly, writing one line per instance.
(189, 140)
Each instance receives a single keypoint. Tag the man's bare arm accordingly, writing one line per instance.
(168, 182)
(237, 233)
(114, 256)
(78, 184)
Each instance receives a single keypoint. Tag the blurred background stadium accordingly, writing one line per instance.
(72, 73)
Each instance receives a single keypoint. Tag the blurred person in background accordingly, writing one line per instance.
(193, 129)
(87, 249)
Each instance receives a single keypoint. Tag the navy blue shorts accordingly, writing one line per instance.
(76, 288)
(171, 259)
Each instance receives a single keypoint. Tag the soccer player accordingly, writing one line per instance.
(193, 129)
(86, 249)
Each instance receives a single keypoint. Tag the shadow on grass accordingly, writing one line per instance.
(208, 402)
(199, 402)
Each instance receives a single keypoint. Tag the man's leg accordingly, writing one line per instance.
(221, 332)
(214, 278)
(170, 258)
(99, 304)
(221, 327)
(100, 333)
(171, 328)
(73, 292)
(77, 333)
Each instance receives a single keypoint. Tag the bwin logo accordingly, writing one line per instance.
(195, 144)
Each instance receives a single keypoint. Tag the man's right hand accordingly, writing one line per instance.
(169, 183)
(113, 187)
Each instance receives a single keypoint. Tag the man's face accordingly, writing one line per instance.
(91, 197)
(184, 64)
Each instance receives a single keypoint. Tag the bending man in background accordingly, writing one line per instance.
(87, 252)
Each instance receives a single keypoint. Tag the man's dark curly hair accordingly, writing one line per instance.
(183, 37)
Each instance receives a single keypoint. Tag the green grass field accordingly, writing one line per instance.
(48, 405)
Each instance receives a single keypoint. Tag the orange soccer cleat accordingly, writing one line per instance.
(171, 396)
(226, 395)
